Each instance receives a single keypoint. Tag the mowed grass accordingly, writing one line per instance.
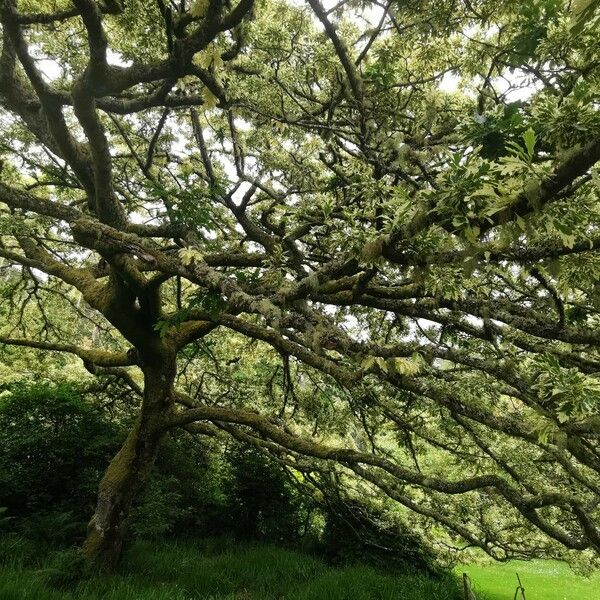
(210, 570)
(542, 580)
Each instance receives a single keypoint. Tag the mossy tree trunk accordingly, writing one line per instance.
(128, 471)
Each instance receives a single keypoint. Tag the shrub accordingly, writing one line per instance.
(48, 477)
(261, 501)
(356, 531)
(53, 527)
(158, 510)
(184, 495)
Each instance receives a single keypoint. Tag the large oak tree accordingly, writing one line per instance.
(390, 206)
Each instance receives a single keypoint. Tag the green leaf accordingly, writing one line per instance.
(212, 302)
(408, 366)
(530, 139)
(210, 101)
(162, 327)
(189, 255)
(367, 363)
(521, 223)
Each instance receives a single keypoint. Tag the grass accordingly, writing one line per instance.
(210, 570)
(542, 580)
(221, 569)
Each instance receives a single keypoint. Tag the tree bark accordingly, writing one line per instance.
(129, 469)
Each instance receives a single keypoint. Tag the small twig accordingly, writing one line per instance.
(520, 588)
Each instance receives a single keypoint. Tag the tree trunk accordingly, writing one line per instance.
(128, 471)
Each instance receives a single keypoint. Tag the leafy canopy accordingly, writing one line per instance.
(367, 231)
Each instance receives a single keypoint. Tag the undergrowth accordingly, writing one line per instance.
(214, 569)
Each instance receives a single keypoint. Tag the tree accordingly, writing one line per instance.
(226, 194)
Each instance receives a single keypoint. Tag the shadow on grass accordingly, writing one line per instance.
(211, 570)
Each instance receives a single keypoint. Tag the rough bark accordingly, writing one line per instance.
(128, 471)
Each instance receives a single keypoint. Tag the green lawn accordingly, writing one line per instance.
(542, 580)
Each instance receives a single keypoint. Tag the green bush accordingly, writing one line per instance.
(53, 527)
(49, 478)
(357, 532)
(48, 475)
(184, 495)
(159, 509)
(260, 500)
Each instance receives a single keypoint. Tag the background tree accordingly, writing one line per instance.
(383, 214)
(44, 470)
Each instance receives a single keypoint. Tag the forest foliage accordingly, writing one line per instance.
(361, 239)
